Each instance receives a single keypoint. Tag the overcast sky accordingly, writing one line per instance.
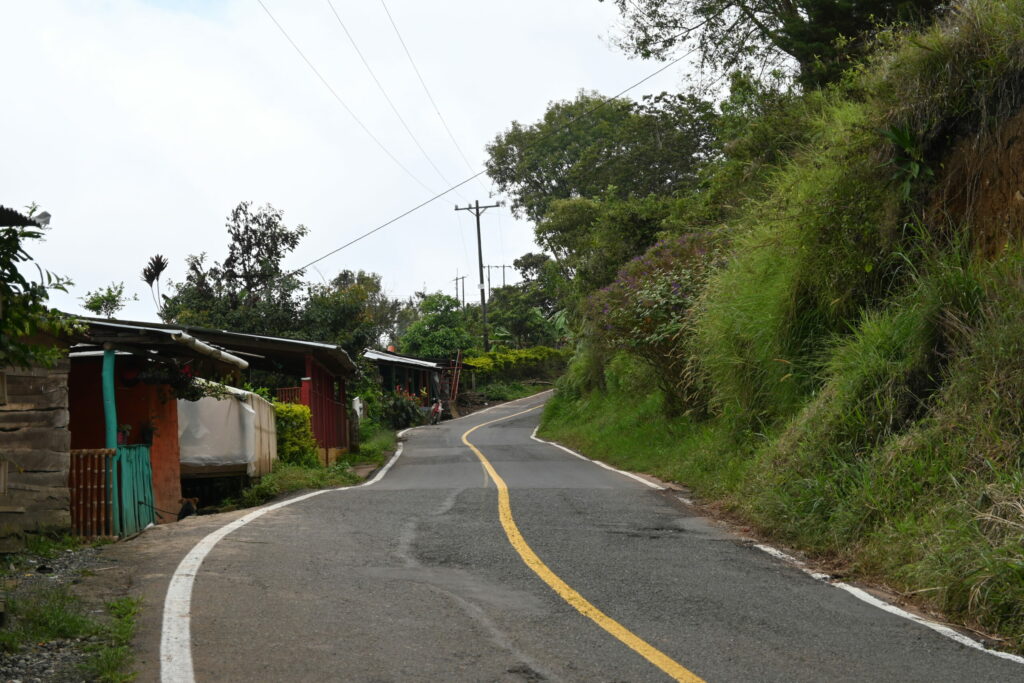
(140, 124)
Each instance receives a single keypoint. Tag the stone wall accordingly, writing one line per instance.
(34, 453)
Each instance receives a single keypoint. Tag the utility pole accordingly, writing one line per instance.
(489, 276)
(461, 278)
(477, 211)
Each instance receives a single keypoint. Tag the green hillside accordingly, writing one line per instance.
(822, 327)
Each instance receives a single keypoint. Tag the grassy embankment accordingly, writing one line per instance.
(860, 342)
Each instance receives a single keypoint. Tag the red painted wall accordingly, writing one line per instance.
(137, 403)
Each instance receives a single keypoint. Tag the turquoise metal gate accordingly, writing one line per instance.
(130, 490)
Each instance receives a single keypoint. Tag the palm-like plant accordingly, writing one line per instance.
(151, 276)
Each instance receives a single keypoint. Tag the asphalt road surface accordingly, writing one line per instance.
(417, 578)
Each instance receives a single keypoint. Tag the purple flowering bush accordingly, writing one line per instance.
(648, 311)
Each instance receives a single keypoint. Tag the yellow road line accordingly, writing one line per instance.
(566, 592)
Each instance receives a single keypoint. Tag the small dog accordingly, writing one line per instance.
(188, 507)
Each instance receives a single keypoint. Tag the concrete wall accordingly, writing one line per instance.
(35, 452)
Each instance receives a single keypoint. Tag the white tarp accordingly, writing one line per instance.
(236, 430)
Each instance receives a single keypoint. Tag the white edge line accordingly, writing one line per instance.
(852, 590)
(176, 638)
(596, 462)
(888, 607)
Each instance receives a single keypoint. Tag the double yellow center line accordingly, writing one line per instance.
(564, 591)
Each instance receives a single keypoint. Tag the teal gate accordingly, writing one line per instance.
(130, 490)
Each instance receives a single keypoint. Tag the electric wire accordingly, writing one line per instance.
(342, 102)
(430, 97)
(544, 137)
(384, 92)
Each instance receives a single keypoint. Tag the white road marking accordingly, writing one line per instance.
(852, 590)
(596, 462)
(176, 637)
(887, 607)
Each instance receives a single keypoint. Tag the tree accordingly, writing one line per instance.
(249, 292)
(440, 331)
(514, 317)
(353, 312)
(592, 238)
(584, 146)
(107, 301)
(820, 36)
(23, 309)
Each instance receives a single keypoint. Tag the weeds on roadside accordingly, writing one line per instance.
(109, 659)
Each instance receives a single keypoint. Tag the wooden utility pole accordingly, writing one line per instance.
(477, 211)
(489, 276)
(460, 278)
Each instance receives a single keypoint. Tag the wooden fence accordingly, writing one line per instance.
(90, 499)
(111, 491)
(289, 394)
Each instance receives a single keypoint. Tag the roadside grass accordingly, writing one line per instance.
(110, 660)
(630, 430)
(45, 614)
(510, 391)
(53, 613)
(290, 477)
(376, 444)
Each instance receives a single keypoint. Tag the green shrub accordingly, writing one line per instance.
(295, 442)
(498, 391)
(401, 412)
(649, 311)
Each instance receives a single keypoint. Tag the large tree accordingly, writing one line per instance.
(440, 331)
(515, 320)
(585, 146)
(250, 291)
(819, 36)
(353, 311)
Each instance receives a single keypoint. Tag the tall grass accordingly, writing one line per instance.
(865, 357)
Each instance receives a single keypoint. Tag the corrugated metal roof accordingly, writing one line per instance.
(389, 357)
(333, 357)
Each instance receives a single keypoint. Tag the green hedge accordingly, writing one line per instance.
(295, 442)
(538, 362)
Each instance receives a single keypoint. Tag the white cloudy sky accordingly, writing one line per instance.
(139, 124)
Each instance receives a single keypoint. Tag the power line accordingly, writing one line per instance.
(544, 137)
(385, 224)
(430, 97)
(342, 102)
(384, 92)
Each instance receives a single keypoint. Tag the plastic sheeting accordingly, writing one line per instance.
(236, 430)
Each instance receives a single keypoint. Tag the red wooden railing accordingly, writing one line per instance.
(289, 394)
(326, 401)
(90, 501)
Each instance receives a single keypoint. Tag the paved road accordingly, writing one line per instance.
(414, 579)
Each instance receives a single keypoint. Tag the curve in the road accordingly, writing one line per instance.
(653, 655)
